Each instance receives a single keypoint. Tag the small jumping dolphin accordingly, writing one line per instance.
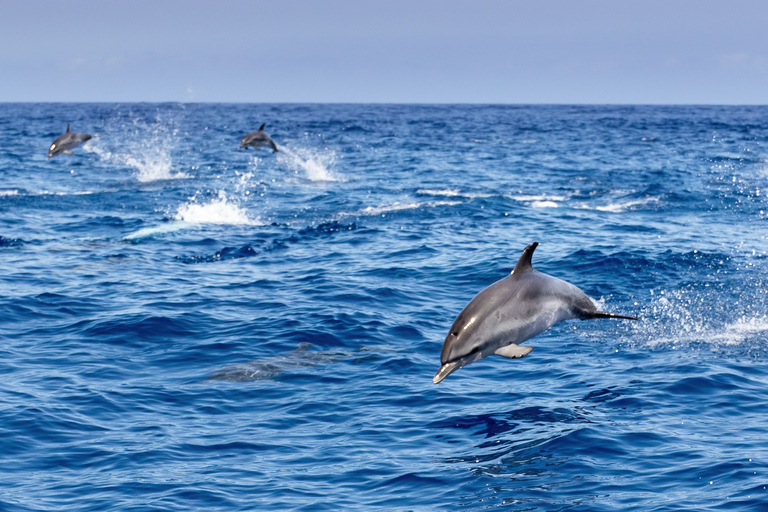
(258, 140)
(522, 305)
(66, 142)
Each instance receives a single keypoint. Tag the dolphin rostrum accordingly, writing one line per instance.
(522, 305)
(68, 141)
(258, 140)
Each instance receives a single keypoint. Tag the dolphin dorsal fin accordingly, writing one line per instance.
(67, 128)
(524, 263)
(261, 129)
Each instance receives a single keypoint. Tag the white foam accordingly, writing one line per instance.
(451, 192)
(9, 192)
(540, 197)
(544, 204)
(316, 165)
(217, 211)
(620, 207)
(448, 192)
(394, 207)
(742, 329)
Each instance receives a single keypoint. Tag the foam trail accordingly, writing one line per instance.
(316, 164)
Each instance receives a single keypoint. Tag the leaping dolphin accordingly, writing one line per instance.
(257, 140)
(67, 142)
(522, 305)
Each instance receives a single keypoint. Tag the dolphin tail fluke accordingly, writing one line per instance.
(602, 314)
(444, 371)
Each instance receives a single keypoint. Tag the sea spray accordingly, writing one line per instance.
(315, 164)
(146, 148)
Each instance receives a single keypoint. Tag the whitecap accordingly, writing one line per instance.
(448, 192)
(544, 204)
(540, 197)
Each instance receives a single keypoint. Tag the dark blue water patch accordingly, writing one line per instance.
(138, 329)
(11, 242)
(268, 246)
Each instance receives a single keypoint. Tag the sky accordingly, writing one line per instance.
(393, 51)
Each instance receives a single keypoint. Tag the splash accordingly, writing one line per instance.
(146, 148)
(315, 164)
(689, 318)
(219, 210)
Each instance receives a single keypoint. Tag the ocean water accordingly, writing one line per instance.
(189, 326)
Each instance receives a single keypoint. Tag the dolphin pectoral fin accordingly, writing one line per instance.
(444, 371)
(513, 351)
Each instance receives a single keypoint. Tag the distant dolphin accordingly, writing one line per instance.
(66, 142)
(519, 307)
(257, 140)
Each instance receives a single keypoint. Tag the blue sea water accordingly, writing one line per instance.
(189, 326)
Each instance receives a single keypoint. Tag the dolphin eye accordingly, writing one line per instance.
(456, 333)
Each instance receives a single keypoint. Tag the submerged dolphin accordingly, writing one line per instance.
(66, 142)
(270, 367)
(257, 140)
(520, 306)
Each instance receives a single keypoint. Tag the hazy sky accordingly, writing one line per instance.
(425, 51)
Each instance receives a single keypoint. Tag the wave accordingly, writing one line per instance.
(255, 248)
